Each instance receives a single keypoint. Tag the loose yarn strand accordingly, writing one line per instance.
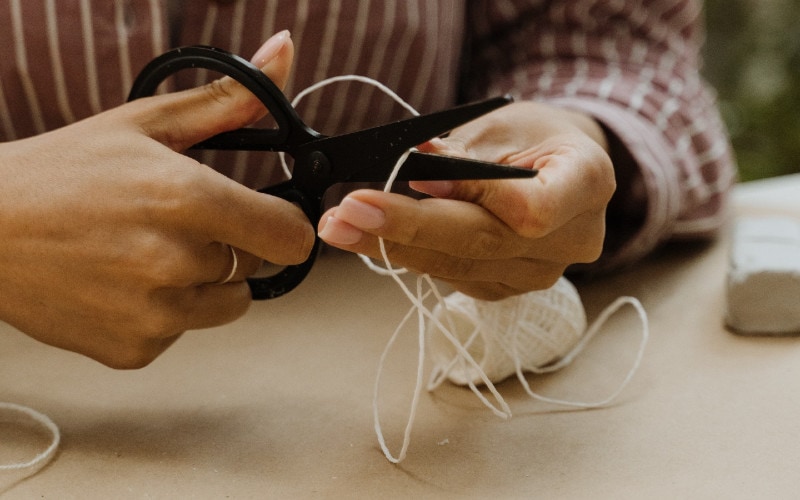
(423, 313)
(344, 78)
(41, 459)
(389, 270)
(417, 388)
(417, 300)
(569, 357)
(464, 356)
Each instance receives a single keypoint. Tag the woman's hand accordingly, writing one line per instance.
(494, 238)
(113, 243)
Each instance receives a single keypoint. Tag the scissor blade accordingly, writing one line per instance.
(434, 167)
(387, 142)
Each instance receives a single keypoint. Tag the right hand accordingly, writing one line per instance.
(112, 241)
(493, 238)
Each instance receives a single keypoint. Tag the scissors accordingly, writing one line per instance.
(321, 161)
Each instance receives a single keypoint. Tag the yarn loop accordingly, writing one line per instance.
(12, 412)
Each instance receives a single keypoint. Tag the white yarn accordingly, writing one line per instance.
(344, 78)
(13, 412)
(529, 330)
(417, 299)
(537, 332)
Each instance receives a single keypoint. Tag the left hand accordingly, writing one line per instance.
(493, 238)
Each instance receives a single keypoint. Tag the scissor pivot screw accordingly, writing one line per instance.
(319, 163)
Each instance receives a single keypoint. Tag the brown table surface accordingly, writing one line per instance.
(279, 403)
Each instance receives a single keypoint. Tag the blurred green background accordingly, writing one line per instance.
(752, 59)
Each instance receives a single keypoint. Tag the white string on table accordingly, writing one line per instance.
(41, 420)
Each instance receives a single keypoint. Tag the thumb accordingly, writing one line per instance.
(182, 119)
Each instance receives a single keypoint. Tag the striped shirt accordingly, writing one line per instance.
(632, 64)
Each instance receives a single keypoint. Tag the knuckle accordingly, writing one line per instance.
(591, 251)
(532, 219)
(456, 268)
(160, 323)
(132, 356)
(591, 246)
(218, 90)
(176, 193)
(158, 326)
(600, 177)
(186, 186)
(158, 262)
(130, 360)
(227, 91)
(485, 242)
(408, 234)
(535, 275)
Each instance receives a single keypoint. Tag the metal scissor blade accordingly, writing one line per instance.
(434, 167)
(385, 143)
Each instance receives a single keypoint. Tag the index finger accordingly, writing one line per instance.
(266, 226)
(446, 226)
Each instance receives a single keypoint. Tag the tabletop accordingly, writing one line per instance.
(279, 403)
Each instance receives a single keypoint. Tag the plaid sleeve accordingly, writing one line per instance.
(634, 66)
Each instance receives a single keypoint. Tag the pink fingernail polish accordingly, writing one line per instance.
(336, 232)
(360, 214)
(270, 48)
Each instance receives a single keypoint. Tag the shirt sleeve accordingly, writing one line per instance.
(634, 67)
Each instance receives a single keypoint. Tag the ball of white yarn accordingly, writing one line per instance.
(530, 330)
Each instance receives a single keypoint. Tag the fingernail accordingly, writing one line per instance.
(360, 214)
(270, 48)
(337, 232)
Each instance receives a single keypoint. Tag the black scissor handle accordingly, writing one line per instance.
(284, 281)
(290, 131)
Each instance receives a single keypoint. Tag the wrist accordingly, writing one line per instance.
(589, 125)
